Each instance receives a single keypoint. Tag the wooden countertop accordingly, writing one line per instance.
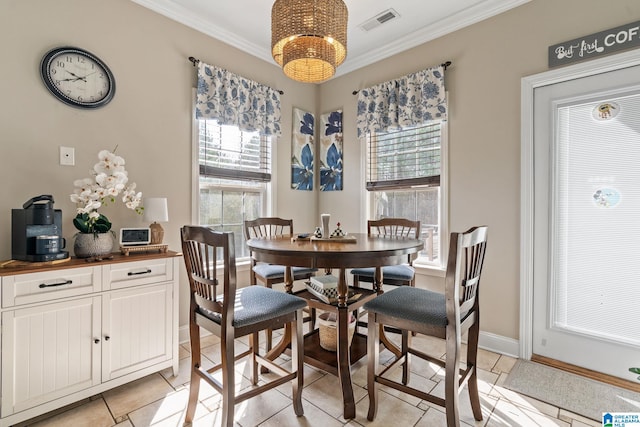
(12, 267)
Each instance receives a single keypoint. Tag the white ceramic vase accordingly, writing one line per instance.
(87, 245)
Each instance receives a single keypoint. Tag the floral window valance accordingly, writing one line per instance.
(234, 100)
(414, 99)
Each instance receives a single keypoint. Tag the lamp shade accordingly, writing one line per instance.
(155, 209)
(309, 37)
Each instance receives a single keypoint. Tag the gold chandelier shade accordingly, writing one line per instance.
(309, 37)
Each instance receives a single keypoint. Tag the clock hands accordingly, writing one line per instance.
(74, 75)
(83, 78)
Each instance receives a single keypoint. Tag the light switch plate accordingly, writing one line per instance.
(67, 156)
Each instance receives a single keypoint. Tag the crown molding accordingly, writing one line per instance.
(479, 12)
(184, 16)
(472, 15)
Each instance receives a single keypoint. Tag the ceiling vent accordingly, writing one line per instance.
(381, 18)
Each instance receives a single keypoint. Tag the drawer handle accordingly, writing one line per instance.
(147, 271)
(44, 285)
(96, 341)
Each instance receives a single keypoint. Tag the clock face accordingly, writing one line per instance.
(77, 77)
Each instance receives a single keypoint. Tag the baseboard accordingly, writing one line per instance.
(488, 341)
(499, 344)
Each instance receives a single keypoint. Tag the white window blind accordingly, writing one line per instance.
(404, 158)
(229, 153)
(595, 241)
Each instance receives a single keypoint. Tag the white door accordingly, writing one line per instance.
(586, 240)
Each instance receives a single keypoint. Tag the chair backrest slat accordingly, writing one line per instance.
(393, 227)
(267, 227)
(464, 267)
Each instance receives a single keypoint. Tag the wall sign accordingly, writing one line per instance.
(595, 45)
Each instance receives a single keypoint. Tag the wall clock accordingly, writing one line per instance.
(77, 77)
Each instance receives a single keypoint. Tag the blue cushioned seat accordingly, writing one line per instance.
(394, 272)
(256, 303)
(270, 271)
(412, 304)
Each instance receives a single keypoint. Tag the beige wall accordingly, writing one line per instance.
(150, 116)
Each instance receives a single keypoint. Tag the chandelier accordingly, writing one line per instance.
(309, 37)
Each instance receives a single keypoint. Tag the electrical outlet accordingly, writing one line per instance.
(67, 156)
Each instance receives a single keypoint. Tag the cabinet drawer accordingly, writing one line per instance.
(50, 285)
(123, 275)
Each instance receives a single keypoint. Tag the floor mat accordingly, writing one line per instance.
(574, 393)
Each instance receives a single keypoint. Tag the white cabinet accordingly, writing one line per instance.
(74, 331)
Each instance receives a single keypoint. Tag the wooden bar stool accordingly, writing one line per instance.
(229, 312)
(446, 316)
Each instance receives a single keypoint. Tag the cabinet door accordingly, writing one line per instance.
(49, 351)
(136, 329)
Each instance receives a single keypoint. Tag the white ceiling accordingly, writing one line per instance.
(246, 24)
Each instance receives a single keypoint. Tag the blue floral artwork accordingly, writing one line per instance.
(331, 151)
(302, 148)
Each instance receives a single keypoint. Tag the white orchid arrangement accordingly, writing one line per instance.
(110, 179)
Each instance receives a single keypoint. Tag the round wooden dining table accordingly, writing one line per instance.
(340, 254)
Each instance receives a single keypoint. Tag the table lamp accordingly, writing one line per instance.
(155, 210)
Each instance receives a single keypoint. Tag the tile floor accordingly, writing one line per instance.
(160, 400)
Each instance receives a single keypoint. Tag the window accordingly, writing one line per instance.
(405, 170)
(234, 174)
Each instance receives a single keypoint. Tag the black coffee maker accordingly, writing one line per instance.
(36, 231)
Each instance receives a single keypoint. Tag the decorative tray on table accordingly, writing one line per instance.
(338, 235)
(344, 239)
